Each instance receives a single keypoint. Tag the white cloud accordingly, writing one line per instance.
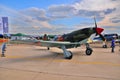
(29, 19)
(95, 5)
(35, 13)
(46, 24)
(107, 10)
(112, 19)
(35, 19)
(60, 11)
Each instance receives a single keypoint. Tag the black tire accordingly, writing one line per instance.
(89, 51)
(48, 48)
(104, 46)
(70, 57)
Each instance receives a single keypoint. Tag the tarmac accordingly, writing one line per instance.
(30, 62)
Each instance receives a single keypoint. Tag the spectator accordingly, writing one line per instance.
(119, 45)
(112, 45)
(45, 37)
(3, 49)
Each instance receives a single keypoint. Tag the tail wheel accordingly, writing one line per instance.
(104, 46)
(89, 51)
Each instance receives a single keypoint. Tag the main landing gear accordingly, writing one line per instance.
(67, 54)
(48, 48)
(88, 50)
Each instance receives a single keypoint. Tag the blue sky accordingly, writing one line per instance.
(60, 16)
(21, 4)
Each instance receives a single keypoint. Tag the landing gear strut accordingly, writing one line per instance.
(67, 54)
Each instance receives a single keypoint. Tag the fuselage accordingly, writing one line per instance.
(79, 35)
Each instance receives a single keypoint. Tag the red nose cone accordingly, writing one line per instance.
(99, 30)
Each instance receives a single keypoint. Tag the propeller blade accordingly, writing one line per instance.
(95, 26)
(98, 30)
(95, 23)
(103, 38)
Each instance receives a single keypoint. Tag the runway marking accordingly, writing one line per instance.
(12, 57)
(96, 63)
(27, 58)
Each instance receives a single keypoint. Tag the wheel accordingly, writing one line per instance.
(104, 46)
(48, 48)
(89, 51)
(69, 57)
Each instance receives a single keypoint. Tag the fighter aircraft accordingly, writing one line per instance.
(108, 37)
(73, 40)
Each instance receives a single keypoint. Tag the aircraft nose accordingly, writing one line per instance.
(99, 30)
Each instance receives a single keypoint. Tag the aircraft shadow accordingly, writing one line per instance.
(33, 58)
(51, 56)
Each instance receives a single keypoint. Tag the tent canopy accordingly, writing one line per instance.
(18, 34)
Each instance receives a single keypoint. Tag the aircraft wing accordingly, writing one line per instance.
(59, 44)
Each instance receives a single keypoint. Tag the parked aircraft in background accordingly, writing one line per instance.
(108, 37)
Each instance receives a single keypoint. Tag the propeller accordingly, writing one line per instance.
(103, 38)
(99, 30)
(95, 23)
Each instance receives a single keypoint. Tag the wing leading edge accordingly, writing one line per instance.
(59, 44)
